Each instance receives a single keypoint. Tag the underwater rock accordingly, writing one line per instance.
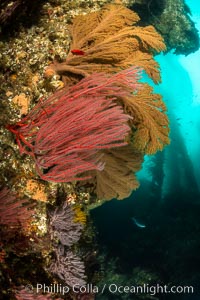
(12, 11)
(172, 20)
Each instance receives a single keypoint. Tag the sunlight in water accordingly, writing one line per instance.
(191, 62)
(180, 89)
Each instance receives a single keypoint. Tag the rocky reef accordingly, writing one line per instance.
(75, 124)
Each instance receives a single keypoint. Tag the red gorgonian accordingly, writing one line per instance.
(65, 133)
(15, 213)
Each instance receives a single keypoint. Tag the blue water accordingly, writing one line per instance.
(167, 205)
(180, 89)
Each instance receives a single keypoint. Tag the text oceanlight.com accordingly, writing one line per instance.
(115, 289)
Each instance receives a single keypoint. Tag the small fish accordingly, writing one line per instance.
(77, 52)
(138, 224)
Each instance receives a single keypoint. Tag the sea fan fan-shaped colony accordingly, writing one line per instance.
(64, 227)
(68, 133)
(98, 127)
(111, 40)
(64, 133)
(68, 267)
(65, 231)
(14, 212)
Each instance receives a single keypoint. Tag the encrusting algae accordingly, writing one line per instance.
(88, 138)
(22, 102)
(100, 48)
(36, 190)
(80, 215)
